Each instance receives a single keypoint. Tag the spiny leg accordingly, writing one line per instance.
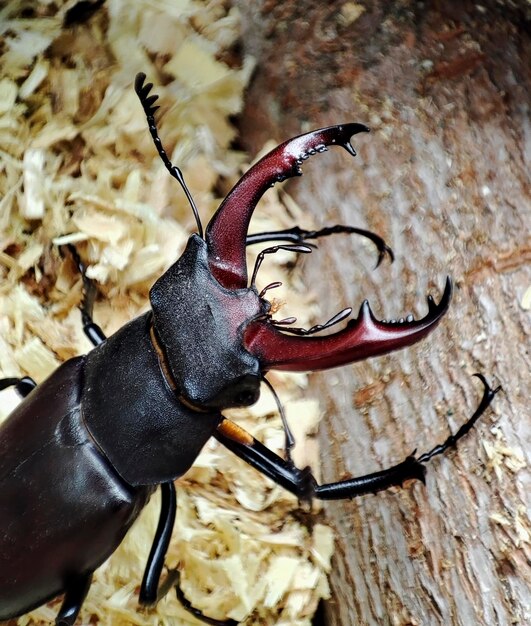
(301, 481)
(338, 317)
(300, 235)
(90, 328)
(451, 442)
(76, 593)
(150, 592)
(297, 235)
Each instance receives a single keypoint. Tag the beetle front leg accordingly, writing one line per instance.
(76, 593)
(303, 484)
(300, 235)
(90, 328)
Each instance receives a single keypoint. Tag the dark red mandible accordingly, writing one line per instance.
(227, 230)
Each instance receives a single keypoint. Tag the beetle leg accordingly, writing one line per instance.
(75, 594)
(91, 330)
(300, 235)
(302, 483)
(150, 593)
(488, 395)
(23, 385)
(196, 612)
(273, 250)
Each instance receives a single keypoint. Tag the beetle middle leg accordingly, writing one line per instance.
(23, 385)
(302, 483)
(300, 235)
(76, 592)
(150, 591)
(199, 614)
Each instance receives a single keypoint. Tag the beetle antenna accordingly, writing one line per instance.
(293, 247)
(290, 439)
(147, 101)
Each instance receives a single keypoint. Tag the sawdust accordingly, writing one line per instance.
(78, 166)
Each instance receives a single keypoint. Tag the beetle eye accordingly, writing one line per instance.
(242, 392)
(245, 398)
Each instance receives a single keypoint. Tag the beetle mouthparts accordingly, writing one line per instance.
(363, 337)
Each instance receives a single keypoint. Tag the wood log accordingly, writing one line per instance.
(442, 177)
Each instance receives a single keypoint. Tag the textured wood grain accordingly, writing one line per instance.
(445, 88)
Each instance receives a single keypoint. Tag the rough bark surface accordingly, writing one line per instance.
(445, 89)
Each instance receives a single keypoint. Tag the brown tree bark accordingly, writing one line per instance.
(445, 89)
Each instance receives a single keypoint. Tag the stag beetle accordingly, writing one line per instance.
(84, 451)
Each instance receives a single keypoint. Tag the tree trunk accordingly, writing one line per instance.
(442, 177)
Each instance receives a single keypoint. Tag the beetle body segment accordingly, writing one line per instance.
(78, 458)
(63, 509)
(147, 434)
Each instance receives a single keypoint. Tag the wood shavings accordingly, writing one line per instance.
(519, 529)
(525, 302)
(79, 167)
(33, 206)
(350, 12)
(502, 457)
(30, 256)
(8, 95)
(280, 574)
(195, 67)
(35, 359)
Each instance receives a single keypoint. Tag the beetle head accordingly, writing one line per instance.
(226, 233)
(199, 327)
(216, 332)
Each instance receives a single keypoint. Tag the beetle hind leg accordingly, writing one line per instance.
(150, 591)
(196, 612)
(76, 593)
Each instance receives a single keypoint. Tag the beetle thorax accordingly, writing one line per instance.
(199, 325)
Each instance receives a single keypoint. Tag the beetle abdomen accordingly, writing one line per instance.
(63, 508)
